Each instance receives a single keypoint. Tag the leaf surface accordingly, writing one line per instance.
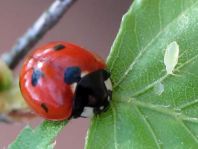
(138, 117)
(42, 137)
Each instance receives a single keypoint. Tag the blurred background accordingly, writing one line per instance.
(92, 24)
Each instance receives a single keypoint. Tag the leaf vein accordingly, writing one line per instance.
(189, 131)
(148, 125)
(130, 67)
(162, 78)
(118, 51)
(160, 22)
(114, 126)
(162, 109)
(189, 104)
(150, 85)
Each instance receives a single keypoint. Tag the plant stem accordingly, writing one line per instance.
(44, 23)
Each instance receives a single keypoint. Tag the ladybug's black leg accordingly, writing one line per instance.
(108, 100)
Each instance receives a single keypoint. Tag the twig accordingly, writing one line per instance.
(44, 23)
(5, 119)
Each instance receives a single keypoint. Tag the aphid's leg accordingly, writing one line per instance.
(175, 75)
(183, 53)
(194, 75)
(106, 107)
(176, 71)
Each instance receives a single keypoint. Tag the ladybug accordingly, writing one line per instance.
(61, 81)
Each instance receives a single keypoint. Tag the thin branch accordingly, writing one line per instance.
(44, 23)
(5, 119)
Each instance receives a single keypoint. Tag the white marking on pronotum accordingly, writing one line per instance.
(73, 87)
(108, 84)
(84, 73)
(159, 88)
(171, 57)
(87, 112)
(102, 107)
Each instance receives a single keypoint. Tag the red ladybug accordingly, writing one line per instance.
(62, 81)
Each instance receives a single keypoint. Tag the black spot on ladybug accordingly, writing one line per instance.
(44, 107)
(72, 75)
(36, 75)
(59, 47)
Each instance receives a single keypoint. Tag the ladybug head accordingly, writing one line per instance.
(92, 94)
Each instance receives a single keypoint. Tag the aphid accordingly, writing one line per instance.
(171, 57)
(159, 88)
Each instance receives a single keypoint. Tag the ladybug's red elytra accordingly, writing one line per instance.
(62, 81)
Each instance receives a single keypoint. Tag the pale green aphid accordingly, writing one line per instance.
(159, 88)
(171, 57)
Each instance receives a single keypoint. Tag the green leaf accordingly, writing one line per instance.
(139, 117)
(42, 137)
